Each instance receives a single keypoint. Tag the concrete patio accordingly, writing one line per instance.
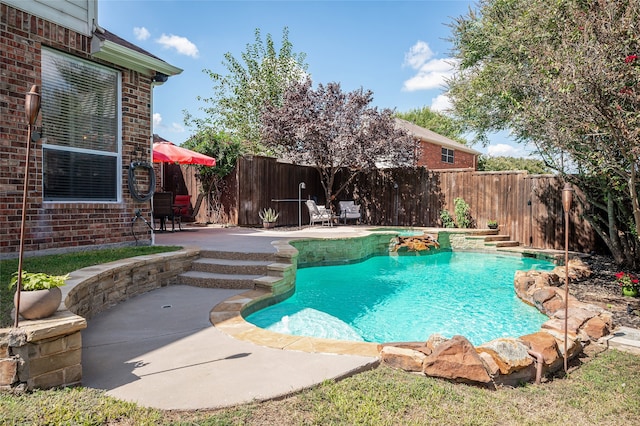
(160, 350)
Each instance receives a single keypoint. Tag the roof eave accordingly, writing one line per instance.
(460, 147)
(130, 59)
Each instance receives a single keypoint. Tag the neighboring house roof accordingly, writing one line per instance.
(426, 135)
(109, 47)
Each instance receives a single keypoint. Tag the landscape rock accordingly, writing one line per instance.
(544, 344)
(510, 354)
(456, 360)
(489, 364)
(596, 328)
(542, 295)
(574, 346)
(517, 378)
(553, 305)
(435, 340)
(403, 358)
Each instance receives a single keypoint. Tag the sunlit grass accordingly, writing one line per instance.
(604, 391)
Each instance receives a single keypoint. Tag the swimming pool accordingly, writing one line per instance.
(408, 298)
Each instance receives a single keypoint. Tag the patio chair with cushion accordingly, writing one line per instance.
(163, 209)
(349, 210)
(319, 214)
(182, 208)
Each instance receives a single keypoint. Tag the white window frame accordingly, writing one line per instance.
(447, 154)
(116, 154)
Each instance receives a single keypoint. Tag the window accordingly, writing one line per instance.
(81, 130)
(447, 155)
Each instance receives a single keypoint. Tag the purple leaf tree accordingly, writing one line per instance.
(334, 131)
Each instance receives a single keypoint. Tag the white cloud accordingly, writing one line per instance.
(441, 103)
(504, 150)
(141, 33)
(159, 125)
(432, 75)
(181, 44)
(418, 55)
(157, 119)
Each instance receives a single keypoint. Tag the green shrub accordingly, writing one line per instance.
(447, 219)
(463, 215)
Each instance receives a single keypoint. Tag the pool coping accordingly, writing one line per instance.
(227, 315)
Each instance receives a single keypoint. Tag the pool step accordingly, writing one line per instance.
(236, 255)
(213, 280)
(226, 269)
(231, 266)
(499, 241)
(497, 237)
(501, 244)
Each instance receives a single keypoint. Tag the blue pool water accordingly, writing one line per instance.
(408, 298)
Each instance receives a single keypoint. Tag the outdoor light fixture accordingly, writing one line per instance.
(567, 198)
(396, 204)
(32, 109)
(301, 186)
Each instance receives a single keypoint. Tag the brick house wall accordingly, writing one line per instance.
(431, 157)
(52, 225)
(429, 146)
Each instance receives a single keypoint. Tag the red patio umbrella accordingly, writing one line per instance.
(167, 152)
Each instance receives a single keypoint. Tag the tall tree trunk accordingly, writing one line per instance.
(633, 193)
(614, 239)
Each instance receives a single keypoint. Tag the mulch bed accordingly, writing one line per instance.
(602, 290)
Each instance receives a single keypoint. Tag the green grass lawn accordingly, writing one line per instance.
(61, 264)
(604, 391)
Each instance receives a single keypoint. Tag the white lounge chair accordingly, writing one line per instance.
(349, 210)
(319, 214)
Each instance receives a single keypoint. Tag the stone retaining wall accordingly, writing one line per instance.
(47, 353)
(316, 252)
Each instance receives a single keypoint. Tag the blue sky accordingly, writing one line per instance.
(397, 49)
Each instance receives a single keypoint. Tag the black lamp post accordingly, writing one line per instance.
(301, 186)
(32, 109)
(567, 198)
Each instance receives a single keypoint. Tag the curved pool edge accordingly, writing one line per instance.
(228, 316)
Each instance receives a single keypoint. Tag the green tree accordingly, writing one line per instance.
(494, 164)
(226, 149)
(259, 76)
(334, 132)
(436, 122)
(564, 75)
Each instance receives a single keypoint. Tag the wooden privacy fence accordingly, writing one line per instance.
(528, 208)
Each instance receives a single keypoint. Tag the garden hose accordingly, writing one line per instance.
(141, 197)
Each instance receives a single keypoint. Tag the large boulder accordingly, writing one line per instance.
(546, 345)
(456, 360)
(510, 354)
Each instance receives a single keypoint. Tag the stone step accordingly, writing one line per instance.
(215, 280)
(231, 266)
(492, 238)
(267, 282)
(234, 255)
(507, 244)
